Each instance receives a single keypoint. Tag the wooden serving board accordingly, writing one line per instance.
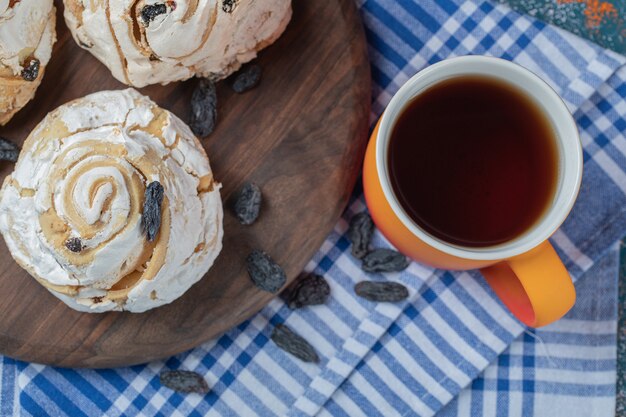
(300, 135)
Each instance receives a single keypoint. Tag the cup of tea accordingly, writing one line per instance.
(474, 164)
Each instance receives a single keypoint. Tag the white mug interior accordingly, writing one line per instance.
(570, 163)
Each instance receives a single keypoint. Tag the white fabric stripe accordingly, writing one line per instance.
(495, 310)
(564, 243)
(435, 355)
(306, 406)
(465, 403)
(490, 400)
(300, 325)
(372, 394)
(325, 314)
(279, 373)
(611, 169)
(449, 334)
(567, 325)
(348, 405)
(471, 321)
(620, 143)
(515, 404)
(581, 377)
(261, 392)
(233, 401)
(560, 351)
(414, 369)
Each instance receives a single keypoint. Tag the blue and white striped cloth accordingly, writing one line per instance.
(451, 348)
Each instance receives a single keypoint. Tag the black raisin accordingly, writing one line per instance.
(265, 273)
(293, 343)
(248, 77)
(384, 260)
(360, 234)
(203, 108)
(151, 11)
(151, 218)
(184, 381)
(381, 291)
(248, 204)
(229, 5)
(9, 151)
(31, 71)
(309, 290)
(74, 244)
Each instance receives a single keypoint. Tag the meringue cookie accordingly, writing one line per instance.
(71, 212)
(159, 41)
(27, 34)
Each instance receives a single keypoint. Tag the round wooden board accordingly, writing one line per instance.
(301, 135)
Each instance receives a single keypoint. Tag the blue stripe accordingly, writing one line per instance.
(30, 406)
(57, 396)
(8, 386)
(400, 334)
(446, 349)
(86, 388)
(394, 25)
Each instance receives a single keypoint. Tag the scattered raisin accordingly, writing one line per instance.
(151, 11)
(248, 77)
(264, 272)
(381, 291)
(184, 381)
(203, 108)
(360, 233)
(384, 260)
(74, 244)
(31, 71)
(309, 290)
(151, 218)
(229, 5)
(293, 343)
(248, 203)
(9, 151)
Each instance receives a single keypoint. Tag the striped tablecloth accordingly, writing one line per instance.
(451, 348)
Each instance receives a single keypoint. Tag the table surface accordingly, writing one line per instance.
(602, 22)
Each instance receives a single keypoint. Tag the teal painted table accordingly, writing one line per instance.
(603, 23)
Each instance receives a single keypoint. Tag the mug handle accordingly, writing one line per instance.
(535, 285)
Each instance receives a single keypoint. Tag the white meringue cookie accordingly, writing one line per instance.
(82, 174)
(27, 34)
(159, 41)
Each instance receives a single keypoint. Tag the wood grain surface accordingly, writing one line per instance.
(300, 135)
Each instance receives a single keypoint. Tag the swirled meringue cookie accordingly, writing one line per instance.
(71, 212)
(26, 37)
(159, 41)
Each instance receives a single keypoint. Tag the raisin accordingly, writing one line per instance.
(9, 151)
(31, 71)
(293, 343)
(248, 77)
(151, 11)
(151, 218)
(184, 381)
(360, 233)
(381, 291)
(229, 5)
(309, 290)
(74, 244)
(248, 204)
(384, 260)
(264, 272)
(203, 108)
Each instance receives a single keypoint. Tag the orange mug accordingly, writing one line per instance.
(526, 273)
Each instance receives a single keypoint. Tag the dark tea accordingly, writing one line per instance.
(473, 161)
